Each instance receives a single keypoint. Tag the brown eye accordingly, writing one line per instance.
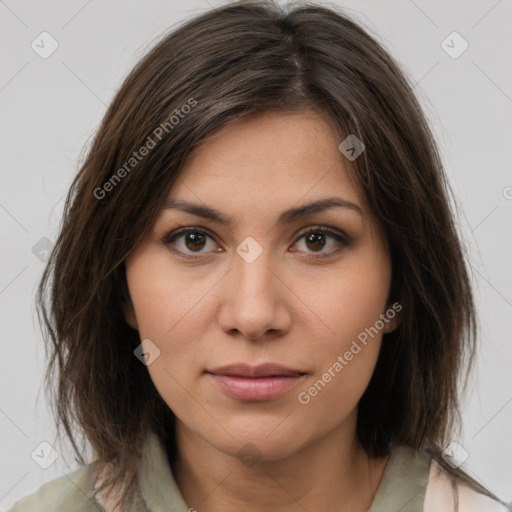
(194, 241)
(316, 239)
(187, 241)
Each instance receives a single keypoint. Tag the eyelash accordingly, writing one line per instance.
(169, 238)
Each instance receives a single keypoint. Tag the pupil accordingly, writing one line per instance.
(315, 238)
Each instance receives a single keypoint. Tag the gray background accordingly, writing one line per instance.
(51, 107)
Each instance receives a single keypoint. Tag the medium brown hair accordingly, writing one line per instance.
(237, 60)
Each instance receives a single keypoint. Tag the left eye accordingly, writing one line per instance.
(194, 240)
(316, 239)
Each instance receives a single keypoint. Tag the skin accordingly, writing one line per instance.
(285, 307)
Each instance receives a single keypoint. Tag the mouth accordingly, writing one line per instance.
(246, 383)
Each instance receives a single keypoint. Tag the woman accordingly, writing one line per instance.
(258, 299)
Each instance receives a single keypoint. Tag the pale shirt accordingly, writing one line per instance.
(411, 482)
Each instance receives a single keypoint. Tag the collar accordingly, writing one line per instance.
(403, 483)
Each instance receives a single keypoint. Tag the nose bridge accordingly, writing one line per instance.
(252, 274)
(251, 305)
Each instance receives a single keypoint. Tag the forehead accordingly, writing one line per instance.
(275, 156)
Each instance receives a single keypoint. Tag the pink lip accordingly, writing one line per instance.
(260, 383)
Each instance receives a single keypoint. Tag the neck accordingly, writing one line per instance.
(330, 474)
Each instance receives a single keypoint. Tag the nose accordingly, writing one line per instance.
(255, 302)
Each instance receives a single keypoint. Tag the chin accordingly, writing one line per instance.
(259, 441)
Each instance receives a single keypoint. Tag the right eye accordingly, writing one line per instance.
(191, 240)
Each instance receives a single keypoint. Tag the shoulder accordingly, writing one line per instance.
(441, 495)
(72, 492)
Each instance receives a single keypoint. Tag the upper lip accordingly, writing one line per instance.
(262, 370)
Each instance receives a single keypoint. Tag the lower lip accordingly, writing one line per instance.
(254, 389)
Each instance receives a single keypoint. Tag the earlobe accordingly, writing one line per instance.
(129, 315)
(126, 301)
(393, 322)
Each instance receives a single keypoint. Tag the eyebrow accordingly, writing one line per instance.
(286, 217)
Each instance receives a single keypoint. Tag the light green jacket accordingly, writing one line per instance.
(410, 483)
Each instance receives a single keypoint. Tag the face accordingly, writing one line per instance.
(306, 293)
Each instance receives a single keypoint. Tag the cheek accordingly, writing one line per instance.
(172, 311)
(351, 298)
(344, 362)
(166, 307)
(350, 303)
(167, 302)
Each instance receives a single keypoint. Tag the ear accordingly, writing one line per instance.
(393, 314)
(129, 315)
(126, 301)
